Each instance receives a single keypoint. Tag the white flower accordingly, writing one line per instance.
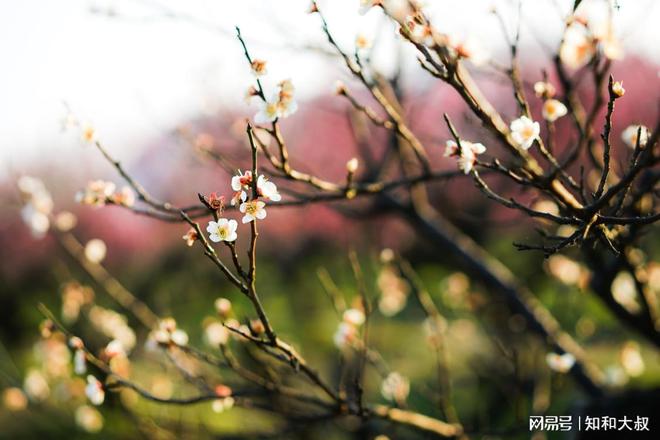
(362, 42)
(216, 334)
(190, 237)
(352, 165)
(89, 419)
(222, 306)
(89, 133)
(38, 205)
(612, 47)
(354, 317)
(253, 210)
(578, 48)
(96, 193)
(524, 131)
(467, 157)
(395, 387)
(36, 385)
(115, 348)
(280, 105)
(418, 32)
(259, 68)
(560, 363)
(124, 197)
(94, 390)
(221, 405)
(287, 108)
(366, 5)
(553, 110)
(631, 359)
(179, 337)
(268, 112)
(629, 135)
(36, 220)
(222, 230)
(79, 362)
(30, 185)
(241, 181)
(268, 189)
(544, 89)
(95, 250)
(344, 335)
(470, 48)
(65, 221)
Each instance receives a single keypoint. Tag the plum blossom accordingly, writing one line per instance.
(95, 250)
(543, 89)
(125, 197)
(113, 325)
(222, 230)
(168, 333)
(258, 68)
(253, 210)
(65, 221)
(354, 317)
(240, 183)
(14, 399)
(280, 105)
(190, 237)
(89, 133)
(577, 48)
(216, 334)
(366, 5)
(345, 335)
(267, 189)
(362, 42)
(467, 156)
(89, 419)
(553, 110)
(524, 132)
(79, 362)
(561, 363)
(418, 31)
(94, 390)
(629, 135)
(617, 89)
(222, 306)
(114, 348)
(36, 386)
(96, 193)
(287, 106)
(631, 359)
(347, 331)
(38, 205)
(250, 93)
(222, 405)
(268, 112)
(352, 165)
(469, 48)
(395, 387)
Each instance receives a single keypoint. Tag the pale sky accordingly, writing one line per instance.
(136, 73)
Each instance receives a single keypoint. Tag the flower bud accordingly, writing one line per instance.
(617, 89)
(352, 165)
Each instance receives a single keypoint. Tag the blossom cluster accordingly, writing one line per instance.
(99, 192)
(280, 105)
(253, 207)
(587, 36)
(347, 331)
(38, 205)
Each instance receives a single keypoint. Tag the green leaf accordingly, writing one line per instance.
(576, 4)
